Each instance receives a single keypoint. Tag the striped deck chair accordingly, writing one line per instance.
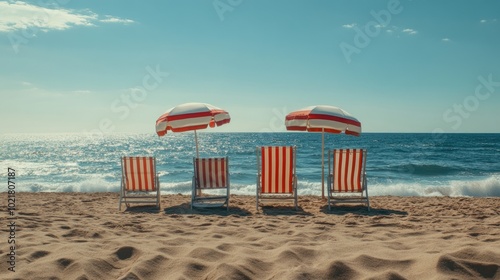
(210, 187)
(140, 182)
(276, 177)
(347, 177)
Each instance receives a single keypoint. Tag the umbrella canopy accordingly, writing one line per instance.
(323, 118)
(191, 116)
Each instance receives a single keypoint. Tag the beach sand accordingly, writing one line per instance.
(84, 236)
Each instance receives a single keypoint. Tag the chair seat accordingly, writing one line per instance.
(208, 204)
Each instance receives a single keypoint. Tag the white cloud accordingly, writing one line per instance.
(393, 29)
(349, 25)
(410, 31)
(112, 19)
(488, 20)
(446, 40)
(390, 29)
(20, 15)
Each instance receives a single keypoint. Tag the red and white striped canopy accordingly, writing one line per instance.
(317, 118)
(191, 116)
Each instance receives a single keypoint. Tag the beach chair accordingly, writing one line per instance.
(140, 183)
(276, 177)
(347, 177)
(210, 186)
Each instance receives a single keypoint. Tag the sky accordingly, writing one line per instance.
(115, 66)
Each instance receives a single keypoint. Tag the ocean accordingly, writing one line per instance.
(401, 164)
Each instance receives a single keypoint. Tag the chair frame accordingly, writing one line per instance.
(363, 191)
(128, 197)
(275, 196)
(196, 196)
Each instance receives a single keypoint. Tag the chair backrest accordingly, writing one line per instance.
(211, 173)
(277, 169)
(139, 173)
(348, 170)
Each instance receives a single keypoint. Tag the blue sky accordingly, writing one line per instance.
(116, 66)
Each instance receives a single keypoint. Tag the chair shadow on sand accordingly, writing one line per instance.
(278, 210)
(361, 210)
(269, 210)
(185, 209)
(143, 209)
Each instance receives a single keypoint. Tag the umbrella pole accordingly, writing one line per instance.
(198, 191)
(196, 140)
(323, 163)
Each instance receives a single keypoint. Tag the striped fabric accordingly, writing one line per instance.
(191, 116)
(323, 118)
(211, 173)
(348, 170)
(277, 170)
(139, 173)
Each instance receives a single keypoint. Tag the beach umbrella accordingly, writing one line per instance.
(323, 118)
(191, 116)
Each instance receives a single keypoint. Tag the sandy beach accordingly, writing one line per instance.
(84, 236)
